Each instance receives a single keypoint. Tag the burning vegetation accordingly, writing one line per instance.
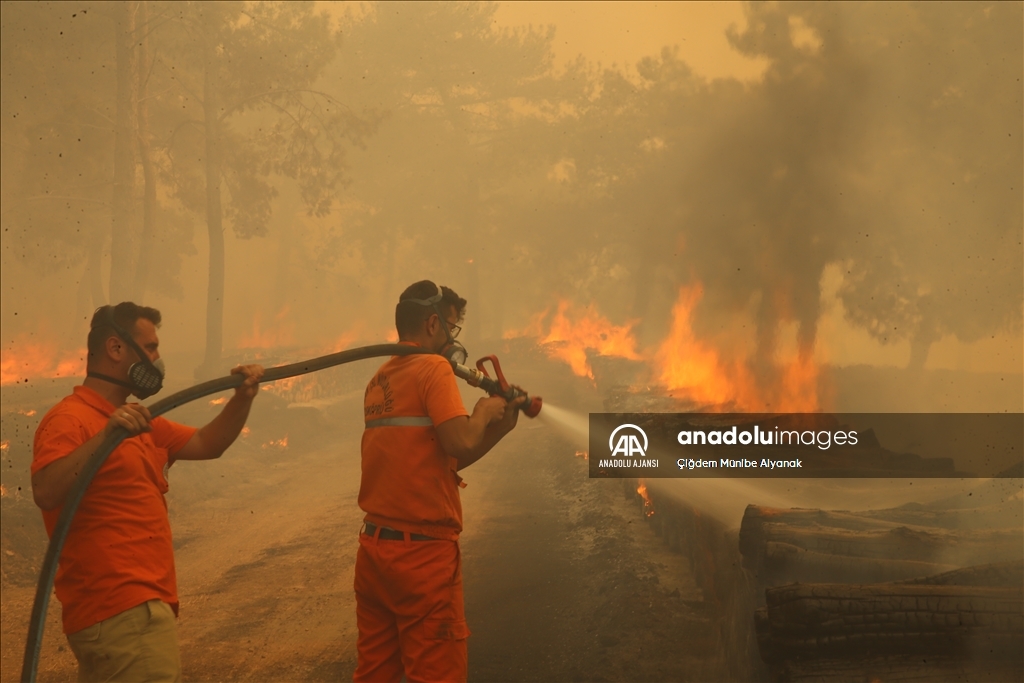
(25, 359)
(691, 369)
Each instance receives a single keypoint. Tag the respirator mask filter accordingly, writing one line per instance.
(145, 377)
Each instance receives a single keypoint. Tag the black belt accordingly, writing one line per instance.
(387, 534)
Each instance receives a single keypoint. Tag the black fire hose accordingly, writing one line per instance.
(30, 665)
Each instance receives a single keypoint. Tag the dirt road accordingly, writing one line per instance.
(564, 579)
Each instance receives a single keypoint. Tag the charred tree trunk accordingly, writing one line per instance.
(149, 192)
(214, 215)
(818, 621)
(820, 546)
(123, 232)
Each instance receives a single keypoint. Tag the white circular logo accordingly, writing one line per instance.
(628, 444)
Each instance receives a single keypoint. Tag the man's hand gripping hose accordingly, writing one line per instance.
(37, 623)
(497, 386)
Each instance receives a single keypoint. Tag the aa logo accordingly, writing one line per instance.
(628, 444)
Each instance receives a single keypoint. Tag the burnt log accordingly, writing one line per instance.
(830, 621)
(997, 574)
(822, 546)
(958, 548)
(787, 562)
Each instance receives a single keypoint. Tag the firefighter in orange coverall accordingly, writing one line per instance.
(408, 578)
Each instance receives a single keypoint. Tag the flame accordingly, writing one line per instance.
(24, 360)
(219, 401)
(245, 432)
(688, 365)
(3, 491)
(26, 413)
(5, 445)
(279, 443)
(648, 504)
(583, 454)
(281, 333)
(572, 333)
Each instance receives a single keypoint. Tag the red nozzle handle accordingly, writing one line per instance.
(497, 371)
(531, 407)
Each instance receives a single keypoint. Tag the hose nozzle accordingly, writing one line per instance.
(497, 386)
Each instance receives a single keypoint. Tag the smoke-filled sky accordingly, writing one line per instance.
(839, 182)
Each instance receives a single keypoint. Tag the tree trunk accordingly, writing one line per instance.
(836, 620)
(820, 546)
(214, 218)
(123, 233)
(149, 194)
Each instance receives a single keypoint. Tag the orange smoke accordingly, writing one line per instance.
(693, 368)
(573, 332)
(24, 360)
(280, 333)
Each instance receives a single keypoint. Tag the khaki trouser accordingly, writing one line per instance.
(139, 644)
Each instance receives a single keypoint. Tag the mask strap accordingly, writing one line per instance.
(433, 303)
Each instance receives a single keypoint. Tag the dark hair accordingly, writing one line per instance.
(409, 315)
(124, 315)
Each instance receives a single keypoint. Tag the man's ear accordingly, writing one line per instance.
(114, 348)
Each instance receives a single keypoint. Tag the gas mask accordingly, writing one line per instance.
(145, 377)
(454, 351)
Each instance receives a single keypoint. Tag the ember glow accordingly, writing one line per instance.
(219, 401)
(26, 413)
(279, 443)
(23, 361)
(245, 432)
(297, 389)
(572, 332)
(648, 505)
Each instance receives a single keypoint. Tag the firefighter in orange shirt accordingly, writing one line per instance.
(116, 580)
(408, 578)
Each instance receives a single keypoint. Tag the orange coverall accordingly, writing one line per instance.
(408, 577)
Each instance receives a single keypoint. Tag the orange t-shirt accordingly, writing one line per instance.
(409, 483)
(118, 552)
